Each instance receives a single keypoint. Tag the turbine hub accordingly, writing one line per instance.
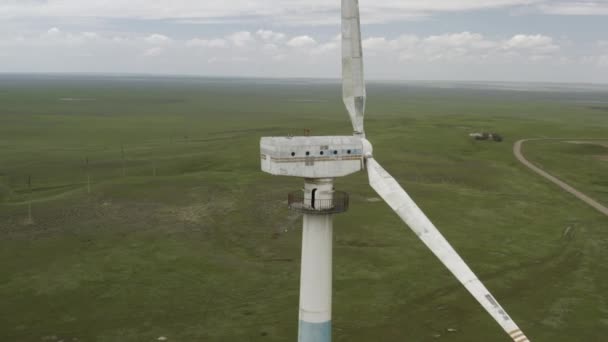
(368, 149)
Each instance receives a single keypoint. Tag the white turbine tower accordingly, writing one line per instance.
(321, 159)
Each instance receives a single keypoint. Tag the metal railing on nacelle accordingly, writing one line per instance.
(336, 205)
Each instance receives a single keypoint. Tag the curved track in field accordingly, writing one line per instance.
(517, 150)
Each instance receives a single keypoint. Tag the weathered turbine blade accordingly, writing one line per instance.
(388, 188)
(353, 81)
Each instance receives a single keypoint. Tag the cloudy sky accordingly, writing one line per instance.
(495, 40)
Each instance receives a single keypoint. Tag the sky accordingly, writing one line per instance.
(464, 40)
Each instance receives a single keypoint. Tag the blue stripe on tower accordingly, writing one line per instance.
(314, 332)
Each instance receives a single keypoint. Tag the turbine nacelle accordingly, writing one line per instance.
(313, 157)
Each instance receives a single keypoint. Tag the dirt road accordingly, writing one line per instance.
(519, 155)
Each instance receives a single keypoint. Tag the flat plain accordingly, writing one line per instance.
(183, 237)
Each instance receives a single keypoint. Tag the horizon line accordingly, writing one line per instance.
(336, 79)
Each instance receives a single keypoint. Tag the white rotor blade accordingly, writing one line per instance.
(388, 188)
(353, 82)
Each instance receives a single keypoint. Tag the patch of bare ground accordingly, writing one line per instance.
(106, 215)
(199, 212)
(603, 157)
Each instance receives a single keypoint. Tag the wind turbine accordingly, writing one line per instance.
(321, 159)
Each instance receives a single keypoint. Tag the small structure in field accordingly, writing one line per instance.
(485, 136)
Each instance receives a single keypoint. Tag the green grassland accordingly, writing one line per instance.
(581, 163)
(183, 236)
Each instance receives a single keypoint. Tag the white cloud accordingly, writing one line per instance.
(239, 59)
(55, 36)
(463, 46)
(53, 32)
(279, 58)
(90, 35)
(537, 43)
(325, 48)
(273, 54)
(575, 7)
(466, 40)
(241, 39)
(602, 58)
(207, 43)
(376, 43)
(294, 12)
(153, 52)
(272, 36)
(406, 40)
(302, 42)
(157, 39)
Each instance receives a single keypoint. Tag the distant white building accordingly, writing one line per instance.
(486, 136)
